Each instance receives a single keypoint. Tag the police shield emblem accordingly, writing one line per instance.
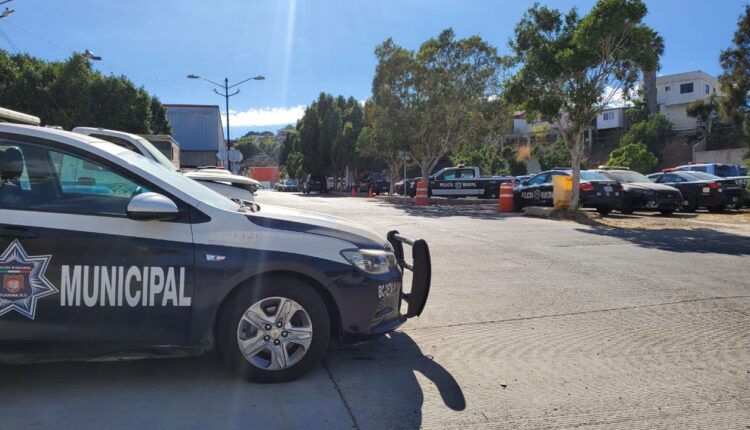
(23, 280)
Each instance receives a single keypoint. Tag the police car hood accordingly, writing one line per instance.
(650, 186)
(283, 218)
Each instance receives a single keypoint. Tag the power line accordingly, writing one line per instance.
(40, 38)
(44, 90)
(10, 42)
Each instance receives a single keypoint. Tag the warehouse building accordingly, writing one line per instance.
(199, 132)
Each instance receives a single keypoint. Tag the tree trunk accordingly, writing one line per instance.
(393, 167)
(575, 159)
(649, 90)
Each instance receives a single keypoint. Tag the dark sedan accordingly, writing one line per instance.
(642, 194)
(596, 191)
(378, 182)
(702, 190)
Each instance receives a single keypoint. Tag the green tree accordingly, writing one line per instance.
(452, 80)
(551, 155)
(735, 79)
(159, 122)
(707, 112)
(634, 156)
(295, 165)
(248, 148)
(70, 94)
(570, 67)
(652, 132)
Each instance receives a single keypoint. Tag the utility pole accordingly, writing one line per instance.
(226, 87)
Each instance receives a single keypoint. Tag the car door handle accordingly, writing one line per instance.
(15, 231)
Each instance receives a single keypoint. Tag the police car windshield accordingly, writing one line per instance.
(179, 181)
(626, 177)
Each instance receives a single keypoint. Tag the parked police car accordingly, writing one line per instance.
(642, 194)
(596, 191)
(104, 252)
(702, 190)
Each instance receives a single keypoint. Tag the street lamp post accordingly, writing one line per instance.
(226, 87)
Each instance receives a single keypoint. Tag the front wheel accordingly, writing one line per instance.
(275, 331)
(627, 206)
(603, 211)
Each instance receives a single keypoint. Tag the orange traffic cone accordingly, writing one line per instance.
(369, 193)
(354, 191)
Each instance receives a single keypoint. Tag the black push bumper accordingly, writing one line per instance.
(421, 268)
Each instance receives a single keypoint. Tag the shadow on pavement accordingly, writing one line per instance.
(677, 240)
(441, 211)
(380, 384)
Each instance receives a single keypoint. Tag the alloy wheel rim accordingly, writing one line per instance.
(274, 333)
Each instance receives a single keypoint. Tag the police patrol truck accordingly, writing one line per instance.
(462, 181)
(104, 252)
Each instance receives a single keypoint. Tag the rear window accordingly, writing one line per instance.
(702, 175)
(722, 170)
(593, 176)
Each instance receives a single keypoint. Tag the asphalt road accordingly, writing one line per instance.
(530, 324)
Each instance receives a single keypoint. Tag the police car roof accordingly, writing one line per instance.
(77, 140)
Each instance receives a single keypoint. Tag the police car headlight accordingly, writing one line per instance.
(372, 261)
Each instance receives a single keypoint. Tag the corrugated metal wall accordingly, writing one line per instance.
(196, 127)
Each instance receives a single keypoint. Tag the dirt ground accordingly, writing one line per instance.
(655, 221)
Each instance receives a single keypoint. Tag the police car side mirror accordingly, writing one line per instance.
(152, 207)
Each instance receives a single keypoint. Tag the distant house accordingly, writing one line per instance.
(675, 92)
(198, 129)
(612, 118)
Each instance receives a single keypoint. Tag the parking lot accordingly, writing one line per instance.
(531, 323)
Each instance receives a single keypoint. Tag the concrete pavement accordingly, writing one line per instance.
(531, 324)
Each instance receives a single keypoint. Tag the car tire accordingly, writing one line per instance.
(667, 211)
(716, 209)
(692, 205)
(627, 206)
(603, 211)
(262, 300)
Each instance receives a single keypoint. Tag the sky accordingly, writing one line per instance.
(304, 47)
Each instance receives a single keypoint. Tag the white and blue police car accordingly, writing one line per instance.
(105, 253)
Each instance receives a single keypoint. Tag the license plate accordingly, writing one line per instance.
(607, 190)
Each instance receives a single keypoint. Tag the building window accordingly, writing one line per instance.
(606, 116)
(686, 88)
(708, 89)
(666, 88)
(714, 90)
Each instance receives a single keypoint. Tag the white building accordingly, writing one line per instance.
(675, 92)
(611, 118)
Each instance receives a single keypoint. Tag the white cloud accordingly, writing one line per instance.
(265, 116)
(615, 97)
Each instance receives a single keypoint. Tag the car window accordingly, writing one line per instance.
(722, 171)
(467, 173)
(449, 175)
(548, 179)
(702, 175)
(63, 182)
(538, 179)
(699, 168)
(593, 176)
(671, 178)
